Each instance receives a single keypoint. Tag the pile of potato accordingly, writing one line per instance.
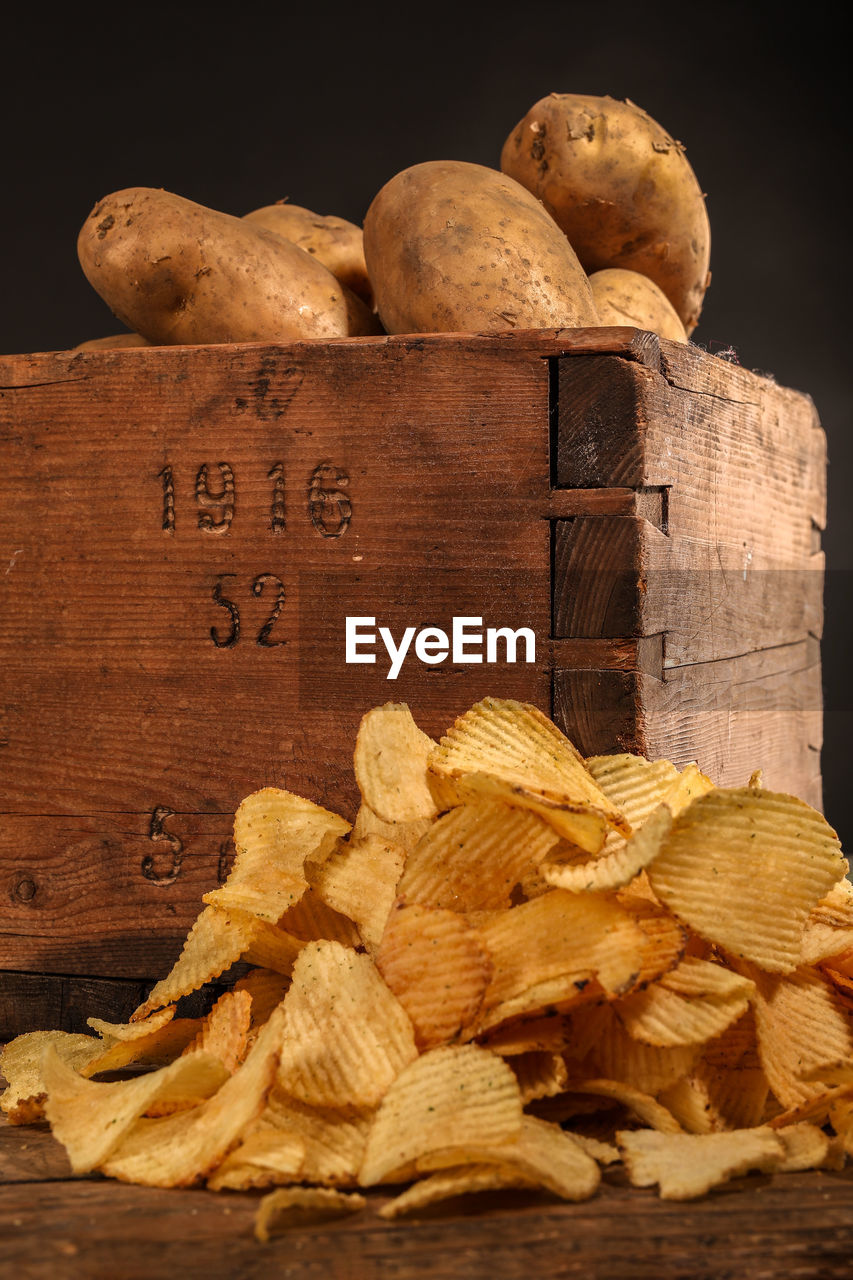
(596, 218)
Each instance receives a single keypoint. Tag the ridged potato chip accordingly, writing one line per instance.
(390, 764)
(333, 1138)
(299, 1206)
(690, 1004)
(438, 968)
(727, 842)
(347, 1036)
(275, 834)
(448, 1099)
(266, 1157)
(686, 1165)
(21, 1063)
(359, 881)
(510, 751)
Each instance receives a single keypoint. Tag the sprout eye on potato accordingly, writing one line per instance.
(621, 189)
(176, 272)
(454, 247)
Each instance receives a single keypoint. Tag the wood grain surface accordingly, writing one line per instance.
(187, 529)
(53, 1225)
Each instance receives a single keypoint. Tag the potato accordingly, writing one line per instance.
(114, 340)
(621, 189)
(456, 247)
(338, 244)
(626, 297)
(176, 272)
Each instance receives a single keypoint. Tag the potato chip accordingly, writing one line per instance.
(266, 988)
(549, 1034)
(617, 866)
(806, 1147)
(390, 764)
(359, 880)
(468, 1179)
(312, 920)
(539, 1074)
(665, 939)
(609, 1052)
(21, 1063)
(510, 751)
(333, 1139)
(717, 1099)
(225, 1030)
(266, 1157)
(801, 1027)
(690, 1004)
(301, 1206)
(687, 1165)
(727, 842)
(179, 1150)
(275, 833)
(473, 856)
(644, 1107)
(604, 1153)
(405, 834)
(90, 1118)
(154, 1049)
(109, 1031)
(549, 951)
(542, 1153)
(829, 928)
(216, 941)
(347, 1037)
(448, 1099)
(438, 968)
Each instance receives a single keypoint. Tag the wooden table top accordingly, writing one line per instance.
(55, 1225)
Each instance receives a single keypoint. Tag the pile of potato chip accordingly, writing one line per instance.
(515, 968)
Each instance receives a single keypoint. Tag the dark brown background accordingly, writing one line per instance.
(325, 104)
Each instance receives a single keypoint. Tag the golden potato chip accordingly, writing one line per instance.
(728, 1097)
(687, 1165)
(438, 969)
(602, 1047)
(472, 857)
(333, 1139)
(829, 928)
(179, 1150)
(539, 1074)
(216, 941)
(665, 939)
(154, 1049)
(801, 1027)
(690, 1004)
(806, 1147)
(312, 920)
(275, 833)
(90, 1118)
(347, 1037)
(110, 1031)
(549, 1034)
(265, 1157)
(727, 842)
(390, 764)
(614, 867)
(405, 834)
(510, 751)
(467, 1179)
(542, 1153)
(689, 1101)
(554, 950)
(359, 880)
(644, 1107)
(299, 1206)
(266, 988)
(448, 1099)
(21, 1063)
(225, 1030)
(602, 1152)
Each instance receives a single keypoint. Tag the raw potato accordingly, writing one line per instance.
(454, 247)
(114, 340)
(621, 189)
(338, 244)
(626, 297)
(177, 272)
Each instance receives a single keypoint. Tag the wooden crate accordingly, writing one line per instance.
(187, 529)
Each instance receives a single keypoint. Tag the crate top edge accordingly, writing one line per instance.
(679, 363)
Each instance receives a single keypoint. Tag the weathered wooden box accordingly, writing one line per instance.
(187, 530)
